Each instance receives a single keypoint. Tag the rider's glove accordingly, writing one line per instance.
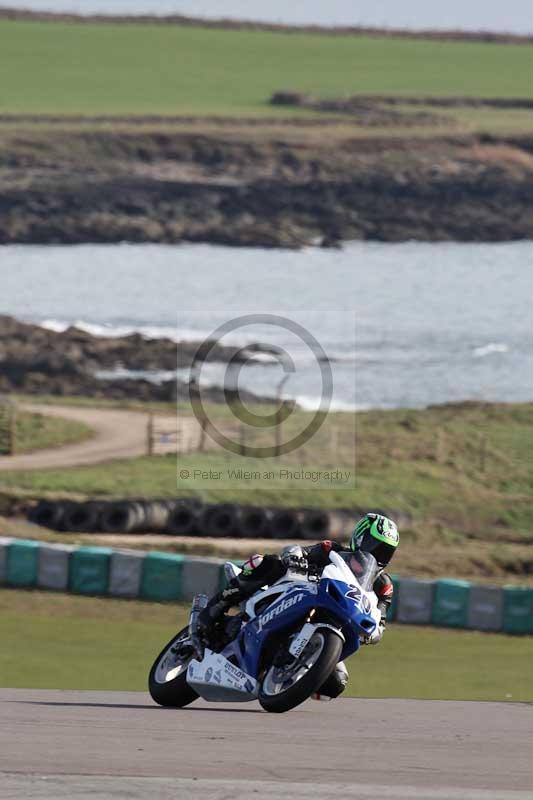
(294, 561)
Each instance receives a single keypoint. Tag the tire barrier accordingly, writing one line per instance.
(155, 576)
(48, 514)
(254, 523)
(122, 517)
(187, 516)
(285, 524)
(315, 524)
(156, 514)
(182, 520)
(219, 521)
(80, 517)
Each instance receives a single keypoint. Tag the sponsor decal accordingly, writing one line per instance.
(208, 674)
(217, 676)
(235, 672)
(359, 599)
(354, 594)
(264, 619)
(248, 686)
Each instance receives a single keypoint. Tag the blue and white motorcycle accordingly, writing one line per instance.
(282, 646)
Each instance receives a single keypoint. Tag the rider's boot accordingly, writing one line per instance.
(334, 685)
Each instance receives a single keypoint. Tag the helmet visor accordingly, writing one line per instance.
(382, 551)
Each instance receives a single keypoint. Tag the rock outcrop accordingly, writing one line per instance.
(252, 189)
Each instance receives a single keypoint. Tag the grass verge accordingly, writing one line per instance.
(52, 641)
(38, 432)
(459, 468)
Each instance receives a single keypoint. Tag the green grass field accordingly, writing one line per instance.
(62, 68)
(52, 641)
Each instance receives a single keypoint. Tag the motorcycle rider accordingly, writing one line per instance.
(374, 533)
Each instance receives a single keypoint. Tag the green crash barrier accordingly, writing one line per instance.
(170, 577)
(89, 570)
(22, 563)
(450, 603)
(161, 576)
(200, 575)
(223, 581)
(5, 541)
(517, 610)
(415, 601)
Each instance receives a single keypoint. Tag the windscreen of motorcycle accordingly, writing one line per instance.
(364, 566)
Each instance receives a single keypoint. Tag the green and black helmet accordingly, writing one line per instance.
(378, 535)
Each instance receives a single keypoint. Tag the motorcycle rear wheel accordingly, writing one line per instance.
(285, 688)
(167, 682)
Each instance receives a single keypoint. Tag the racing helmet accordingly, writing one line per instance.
(377, 535)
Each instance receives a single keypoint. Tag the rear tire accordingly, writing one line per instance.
(303, 688)
(171, 692)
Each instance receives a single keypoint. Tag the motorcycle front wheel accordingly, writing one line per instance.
(285, 687)
(167, 682)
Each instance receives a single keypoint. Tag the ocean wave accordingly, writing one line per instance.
(314, 403)
(152, 331)
(115, 330)
(119, 373)
(489, 349)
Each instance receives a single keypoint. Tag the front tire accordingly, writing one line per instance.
(284, 688)
(167, 682)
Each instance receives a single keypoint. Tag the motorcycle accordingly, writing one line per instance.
(282, 645)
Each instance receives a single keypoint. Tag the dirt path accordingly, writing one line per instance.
(117, 434)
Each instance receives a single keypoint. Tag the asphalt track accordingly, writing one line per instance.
(111, 745)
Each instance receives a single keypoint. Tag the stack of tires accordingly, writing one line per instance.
(182, 517)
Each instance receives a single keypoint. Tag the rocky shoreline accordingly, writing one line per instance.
(265, 188)
(38, 361)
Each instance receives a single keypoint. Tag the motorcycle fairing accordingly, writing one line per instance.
(215, 678)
